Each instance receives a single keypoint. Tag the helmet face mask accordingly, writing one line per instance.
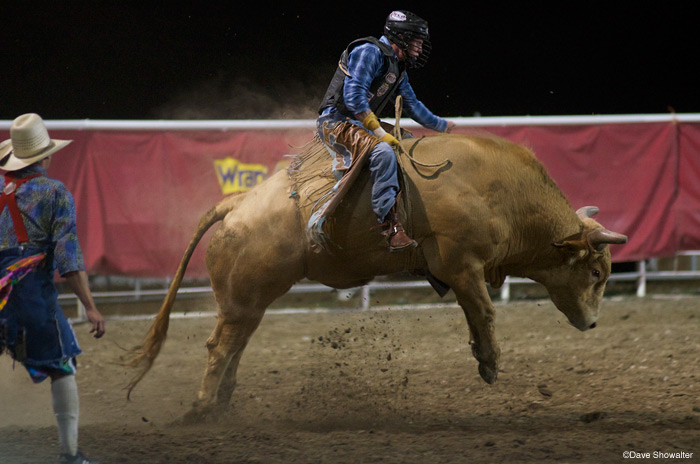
(410, 33)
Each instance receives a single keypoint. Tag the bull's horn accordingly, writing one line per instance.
(586, 212)
(598, 238)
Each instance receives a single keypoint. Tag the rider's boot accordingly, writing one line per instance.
(397, 238)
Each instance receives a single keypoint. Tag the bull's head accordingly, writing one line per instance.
(577, 283)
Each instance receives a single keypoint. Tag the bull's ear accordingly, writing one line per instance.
(572, 250)
(571, 245)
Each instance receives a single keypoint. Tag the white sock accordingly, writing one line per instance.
(66, 408)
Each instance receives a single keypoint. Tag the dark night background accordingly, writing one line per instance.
(241, 60)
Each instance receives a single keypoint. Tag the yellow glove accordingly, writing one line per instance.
(388, 138)
(372, 123)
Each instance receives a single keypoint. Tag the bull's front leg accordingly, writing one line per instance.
(464, 273)
(476, 303)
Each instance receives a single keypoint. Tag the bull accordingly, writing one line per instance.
(480, 207)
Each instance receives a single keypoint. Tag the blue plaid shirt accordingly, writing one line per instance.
(48, 211)
(365, 64)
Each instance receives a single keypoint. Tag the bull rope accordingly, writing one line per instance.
(397, 134)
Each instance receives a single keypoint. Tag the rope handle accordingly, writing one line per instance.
(398, 108)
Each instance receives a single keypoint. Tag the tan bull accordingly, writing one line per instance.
(480, 207)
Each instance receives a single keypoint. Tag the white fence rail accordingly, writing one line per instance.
(645, 271)
(267, 124)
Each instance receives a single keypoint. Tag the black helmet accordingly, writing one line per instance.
(401, 28)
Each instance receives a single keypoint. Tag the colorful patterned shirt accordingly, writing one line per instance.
(365, 63)
(48, 211)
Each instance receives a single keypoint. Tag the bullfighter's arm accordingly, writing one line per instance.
(78, 282)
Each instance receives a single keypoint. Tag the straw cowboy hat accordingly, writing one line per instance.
(29, 142)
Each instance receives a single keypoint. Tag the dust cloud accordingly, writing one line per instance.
(245, 98)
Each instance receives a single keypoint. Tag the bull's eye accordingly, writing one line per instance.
(596, 273)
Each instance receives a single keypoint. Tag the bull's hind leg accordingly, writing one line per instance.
(253, 258)
(225, 345)
(235, 325)
(246, 276)
(228, 383)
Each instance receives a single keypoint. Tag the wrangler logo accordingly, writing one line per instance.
(235, 176)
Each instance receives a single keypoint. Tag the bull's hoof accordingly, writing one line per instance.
(199, 414)
(488, 374)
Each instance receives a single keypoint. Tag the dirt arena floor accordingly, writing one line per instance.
(392, 385)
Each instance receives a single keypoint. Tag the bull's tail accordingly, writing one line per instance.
(143, 355)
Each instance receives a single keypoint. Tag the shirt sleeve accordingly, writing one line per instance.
(67, 253)
(364, 65)
(417, 110)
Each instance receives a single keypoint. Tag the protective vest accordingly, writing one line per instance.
(382, 89)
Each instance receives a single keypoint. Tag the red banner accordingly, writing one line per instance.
(140, 193)
(687, 205)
